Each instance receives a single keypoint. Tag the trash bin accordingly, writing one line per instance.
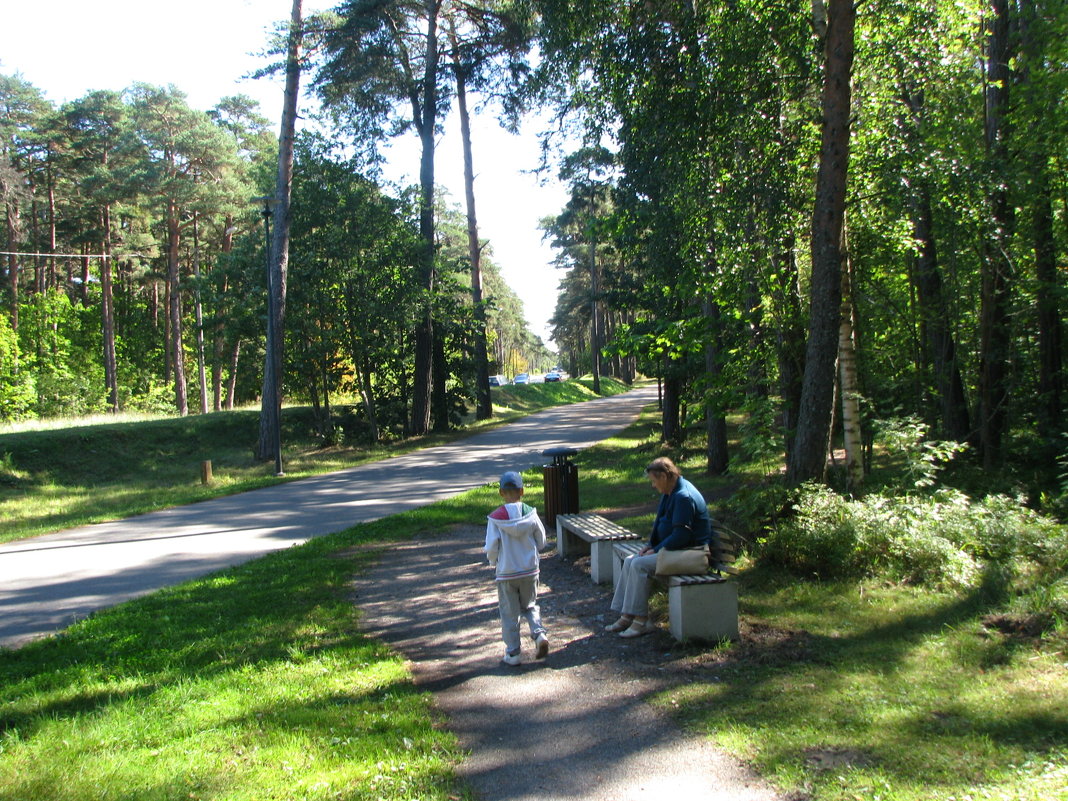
(561, 484)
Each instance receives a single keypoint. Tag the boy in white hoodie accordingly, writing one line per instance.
(514, 535)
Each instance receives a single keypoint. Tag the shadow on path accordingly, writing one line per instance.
(574, 726)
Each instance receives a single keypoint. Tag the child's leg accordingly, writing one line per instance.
(528, 601)
(510, 608)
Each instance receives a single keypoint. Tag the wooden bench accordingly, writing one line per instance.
(581, 534)
(700, 607)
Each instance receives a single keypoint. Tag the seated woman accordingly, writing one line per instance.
(682, 521)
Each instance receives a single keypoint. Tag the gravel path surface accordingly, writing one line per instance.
(576, 725)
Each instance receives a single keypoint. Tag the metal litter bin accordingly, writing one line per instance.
(561, 484)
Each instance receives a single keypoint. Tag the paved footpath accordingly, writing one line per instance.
(49, 582)
(577, 726)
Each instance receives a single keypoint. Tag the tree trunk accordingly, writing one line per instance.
(997, 266)
(934, 314)
(426, 118)
(231, 384)
(595, 303)
(269, 445)
(107, 313)
(218, 338)
(1050, 334)
(441, 376)
(174, 308)
(790, 344)
(483, 404)
(850, 383)
(808, 459)
(671, 428)
(12, 218)
(1050, 346)
(367, 394)
(718, 459)
(199, 316)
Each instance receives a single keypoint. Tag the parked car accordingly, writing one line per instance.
(497, 380)
(553, 376)
(522, 378)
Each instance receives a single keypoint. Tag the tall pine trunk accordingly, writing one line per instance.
(426, 118)
(808, 457)
(269, 444)
(483, 404)
(174, 310)
(107, 314)
(198, 311)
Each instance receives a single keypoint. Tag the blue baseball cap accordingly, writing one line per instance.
(511, 480)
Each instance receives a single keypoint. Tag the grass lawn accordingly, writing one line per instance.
(865, 691)
(255, 683)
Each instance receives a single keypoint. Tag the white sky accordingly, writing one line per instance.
(204, 47)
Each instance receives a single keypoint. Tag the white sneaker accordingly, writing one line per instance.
(510, 659)
(542, 645)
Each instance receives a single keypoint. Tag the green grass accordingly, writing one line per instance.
(253, 683)
(525, 398)
(849, 691)
(56, 478)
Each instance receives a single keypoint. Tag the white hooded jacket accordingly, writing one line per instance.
(513, 542)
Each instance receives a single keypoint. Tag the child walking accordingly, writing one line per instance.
(514, 535)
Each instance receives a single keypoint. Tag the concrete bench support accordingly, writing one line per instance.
(703, 611)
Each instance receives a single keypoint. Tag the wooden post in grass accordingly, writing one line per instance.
(205, 471)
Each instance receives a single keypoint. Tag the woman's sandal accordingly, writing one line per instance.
(637, 629)
(620, 625)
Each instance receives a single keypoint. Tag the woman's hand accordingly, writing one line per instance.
(645, 551)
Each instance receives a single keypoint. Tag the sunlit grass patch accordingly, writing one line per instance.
(847, 690)
(252, 683)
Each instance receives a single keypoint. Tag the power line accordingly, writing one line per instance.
(71, 255)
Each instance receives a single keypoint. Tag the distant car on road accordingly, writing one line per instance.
(553, 376)
(522, 378)
(497, 380)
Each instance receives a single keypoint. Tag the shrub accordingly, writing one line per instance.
(945, 539)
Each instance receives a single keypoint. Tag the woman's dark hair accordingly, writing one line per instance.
(664, 466)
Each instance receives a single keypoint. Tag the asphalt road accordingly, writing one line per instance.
(49, 582)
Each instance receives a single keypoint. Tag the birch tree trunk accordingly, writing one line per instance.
(850, 385)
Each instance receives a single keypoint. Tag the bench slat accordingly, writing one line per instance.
(594, 527)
